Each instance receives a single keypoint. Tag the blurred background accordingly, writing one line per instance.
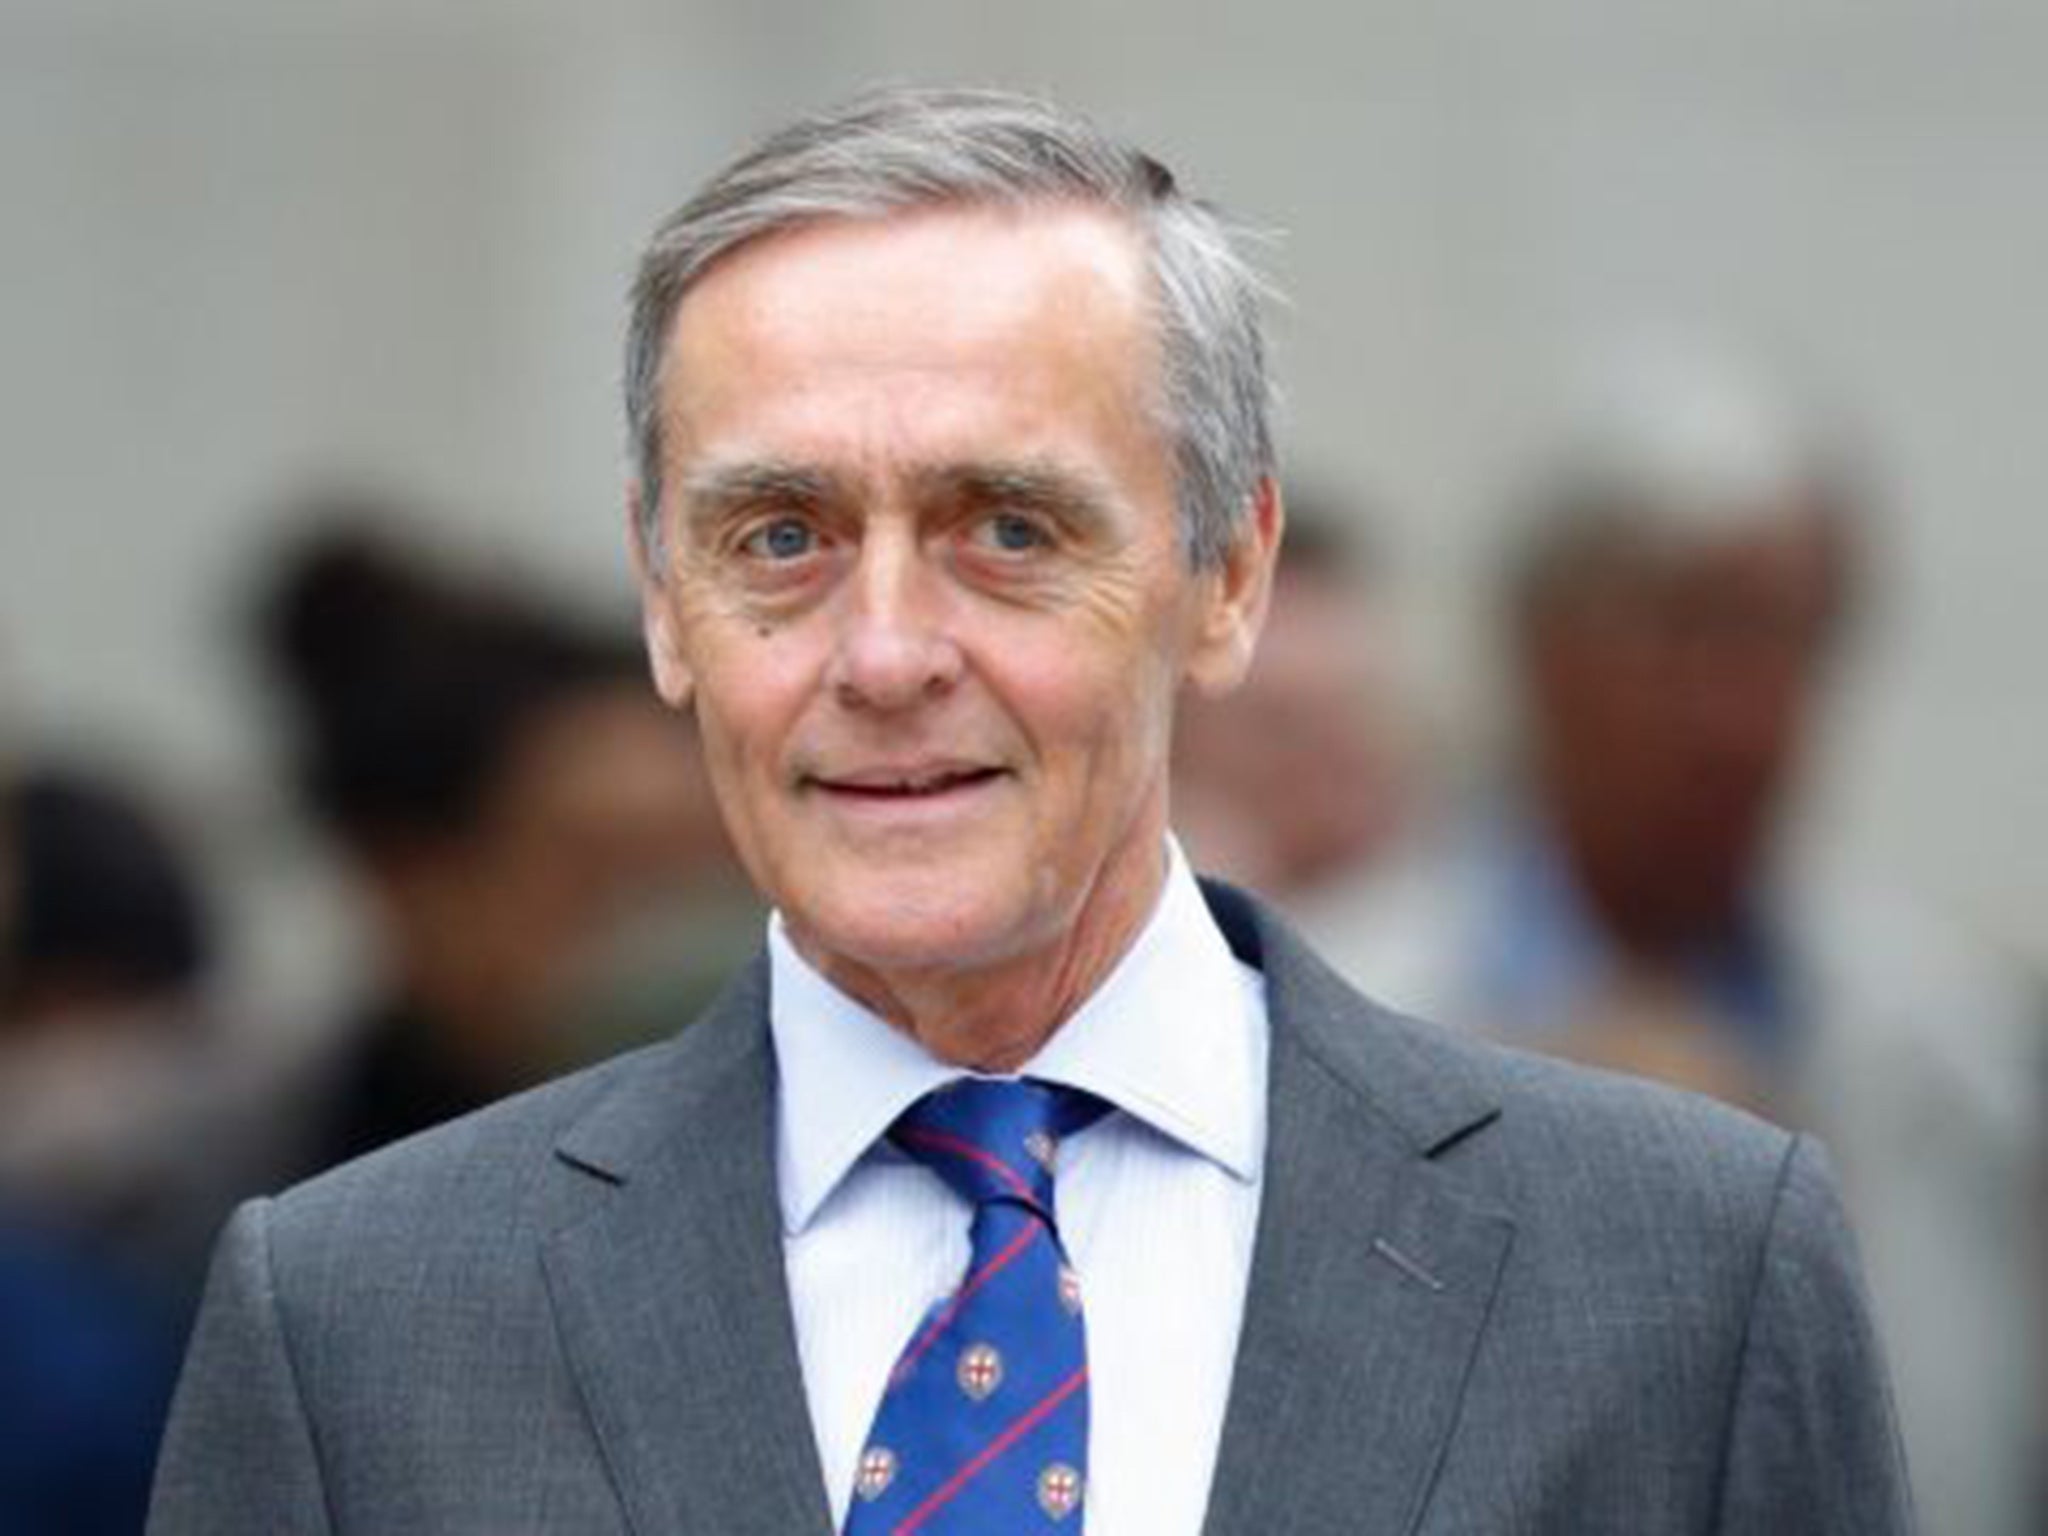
(1634, 357)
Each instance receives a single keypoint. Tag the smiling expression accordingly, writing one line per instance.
(924, 585)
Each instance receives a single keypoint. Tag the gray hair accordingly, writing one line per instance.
(900, 149)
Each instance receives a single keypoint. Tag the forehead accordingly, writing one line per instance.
(1048, 305)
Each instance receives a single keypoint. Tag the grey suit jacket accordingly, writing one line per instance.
(1490, 1293)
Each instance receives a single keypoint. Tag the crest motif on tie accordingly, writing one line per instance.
(980, 1370)
(1043, 1149)
(1070, 1290)
(877, 1472)
(1059, 1490)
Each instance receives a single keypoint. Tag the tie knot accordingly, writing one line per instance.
(995, 1138)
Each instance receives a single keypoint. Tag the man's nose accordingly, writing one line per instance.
(895, 648)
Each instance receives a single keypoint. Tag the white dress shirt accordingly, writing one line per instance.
(1157, 1204)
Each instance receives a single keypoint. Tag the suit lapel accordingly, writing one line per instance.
(670, 1299)
(1371, 1280)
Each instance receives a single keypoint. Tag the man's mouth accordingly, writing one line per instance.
(911, 783)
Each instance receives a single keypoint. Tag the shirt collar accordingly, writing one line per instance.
(1169, 1037)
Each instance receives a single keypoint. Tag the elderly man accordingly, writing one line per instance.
(953, 470)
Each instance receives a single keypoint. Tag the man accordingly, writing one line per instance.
(1689, 571)
(953, 469)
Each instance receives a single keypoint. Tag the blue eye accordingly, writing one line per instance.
(786, 538)
(1014, 533)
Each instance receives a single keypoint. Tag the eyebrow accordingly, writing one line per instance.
(715, 490)
(1050, 489)
(719, 488)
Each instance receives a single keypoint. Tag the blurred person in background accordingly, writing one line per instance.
(107, 1195)
(1688, 574)
(1299, 780)
(543, 863)
(86, 1368)
(124, 1116)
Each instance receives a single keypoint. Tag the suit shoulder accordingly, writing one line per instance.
(496, 1161)
(474, 1156)
(1440, 1084)
(1663, 1142)
(1653, 1196)
(1522, 1129)
(1575, 1122)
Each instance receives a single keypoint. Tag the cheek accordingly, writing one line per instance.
(751, 685)
(1104, 717)
(742, 736)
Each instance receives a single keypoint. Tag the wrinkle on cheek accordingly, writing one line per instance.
(704, 601)
(1109, 593)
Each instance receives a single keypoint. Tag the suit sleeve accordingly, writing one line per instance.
(239, 1457)
(1812, 1445)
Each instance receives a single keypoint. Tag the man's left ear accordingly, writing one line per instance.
(1234, 604)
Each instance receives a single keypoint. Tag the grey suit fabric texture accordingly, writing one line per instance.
(1489, 1293)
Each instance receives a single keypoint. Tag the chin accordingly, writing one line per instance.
(917, 924)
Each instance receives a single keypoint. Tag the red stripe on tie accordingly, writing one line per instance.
(970, 1151)
(973, 1283)
(942, 1494)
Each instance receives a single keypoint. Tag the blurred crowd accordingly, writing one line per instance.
(532, 845)
(1628, 878)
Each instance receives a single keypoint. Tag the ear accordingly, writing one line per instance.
(1234, 602)
(673, 679)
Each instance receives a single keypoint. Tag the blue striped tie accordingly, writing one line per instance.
(983, 1426)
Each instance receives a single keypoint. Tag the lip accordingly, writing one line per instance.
(924, 794)
(905, 781)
